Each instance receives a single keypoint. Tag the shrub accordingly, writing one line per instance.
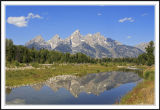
(98, 71)
(36, 65)
(22, 64)
(8, 64)
(149, 75)
(16, 63)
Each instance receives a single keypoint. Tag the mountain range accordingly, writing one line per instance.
(94, 45)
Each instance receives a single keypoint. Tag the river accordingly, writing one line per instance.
(95, 88)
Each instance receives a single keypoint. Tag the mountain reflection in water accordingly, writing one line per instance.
(91, 88)
(91, 83)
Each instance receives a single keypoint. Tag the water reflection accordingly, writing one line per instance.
(91, 83)
(137, 71)
(16, 101)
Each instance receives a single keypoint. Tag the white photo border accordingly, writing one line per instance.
(103, 3)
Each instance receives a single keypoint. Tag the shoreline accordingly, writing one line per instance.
(142, 93)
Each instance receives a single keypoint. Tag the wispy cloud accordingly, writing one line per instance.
(22, 21)
(126, 19)
(99, 14)
(31, 15)
(144, 14)
(128, 37)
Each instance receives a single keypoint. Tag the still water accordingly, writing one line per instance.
(96, 88)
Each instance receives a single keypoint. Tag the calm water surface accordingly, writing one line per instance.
(100, 88)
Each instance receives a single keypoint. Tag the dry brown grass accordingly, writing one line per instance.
(142, 94)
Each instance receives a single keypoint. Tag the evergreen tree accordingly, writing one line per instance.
(150, 53)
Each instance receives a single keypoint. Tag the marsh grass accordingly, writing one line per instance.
(29, 76)
(143, 93)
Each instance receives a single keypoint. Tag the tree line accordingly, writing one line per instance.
(23, 54)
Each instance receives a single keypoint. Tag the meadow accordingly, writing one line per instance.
(37, 73)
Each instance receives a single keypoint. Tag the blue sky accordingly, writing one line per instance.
(129, 25)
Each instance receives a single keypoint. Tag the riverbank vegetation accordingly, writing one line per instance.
(18, 76)
(143, 93)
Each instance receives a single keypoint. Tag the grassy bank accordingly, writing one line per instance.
(143, 93)
(41, 72)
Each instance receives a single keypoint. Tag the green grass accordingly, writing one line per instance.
(36, 65)
(15, 64)
(29, 76)
(149, 75)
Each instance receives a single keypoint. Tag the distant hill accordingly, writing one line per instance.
(142, 46)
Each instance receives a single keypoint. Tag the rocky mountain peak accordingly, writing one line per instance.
(76, 32)
(75, 38)
(38, 39)
(54, 41)
(98, 34)
(55, 37)
(89, 34)
(38, 42)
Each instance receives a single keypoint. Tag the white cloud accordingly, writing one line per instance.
(129, 37)
(22, 21)
(99, 14)
(126, 19)
(17, 21)
(144, 14)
